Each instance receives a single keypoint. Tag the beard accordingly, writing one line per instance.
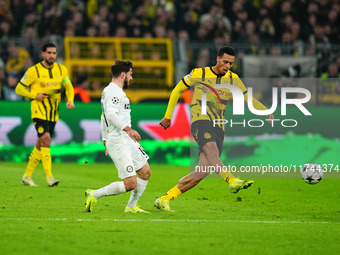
(126, 84)
(49, 62)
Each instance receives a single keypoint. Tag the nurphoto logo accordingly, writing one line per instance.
(238, 104)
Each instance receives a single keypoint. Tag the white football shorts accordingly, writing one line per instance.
(127, 155)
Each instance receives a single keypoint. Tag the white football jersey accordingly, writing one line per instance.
(114, 100)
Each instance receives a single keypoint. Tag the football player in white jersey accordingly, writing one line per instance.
(121, 142)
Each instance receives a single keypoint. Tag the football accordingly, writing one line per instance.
(312, 173)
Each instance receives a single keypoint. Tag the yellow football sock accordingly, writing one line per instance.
(33, 161)
(227, 176)
(172, 194)
(47, 161)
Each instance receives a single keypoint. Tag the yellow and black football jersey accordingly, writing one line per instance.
(202, 81)
(40, 79)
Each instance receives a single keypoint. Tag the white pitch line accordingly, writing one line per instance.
(171, 220)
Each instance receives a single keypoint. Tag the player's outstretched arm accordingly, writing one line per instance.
(165, 123)
(259, 106)
(70, 105)
(180, 87)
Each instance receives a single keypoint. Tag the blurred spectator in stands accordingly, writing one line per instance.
(141, 14)
(75, 50)
(121, 19)
(91, 31)
(79, 23)
(236, 7)
(239, 25)
(104, 29)
(287, 10)
(121, 32)
(308, 26)
(334, 26)
(18, 59)
(8, 88)
(96, 90)
(276, 51)
(105, 14)
(2, 72)
(287, 46)
(254, 42)
(295, 30)
(332, 71)
(190, 23)
(159, 32)
(70, 28)
(5, 29)
(337, 60)
(274, 81)
(267, 30)
(318, 36)
(81, 93)
(135, 27)
(203, 59)
(215, 16)
(331, 86)
(50, 14)
(268, 9)
(309, 51)
(30, 21)
(162, 17)
(133, 53)
(125, 5)
(202, 35)
(95, 21)
(95, 51)
(171, 34)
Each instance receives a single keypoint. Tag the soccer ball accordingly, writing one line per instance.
(312, 173)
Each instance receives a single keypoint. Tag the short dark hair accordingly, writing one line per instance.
(120, 67)
(48, 45)
(226, 50)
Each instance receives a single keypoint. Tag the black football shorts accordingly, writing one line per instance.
(43, 126)
(204, 132)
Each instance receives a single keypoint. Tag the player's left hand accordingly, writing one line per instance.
(106, 153)
(70, 105)
(270, 118)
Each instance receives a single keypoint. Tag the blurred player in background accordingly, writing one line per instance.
(42, 84)
(208, 136)
(121, 143)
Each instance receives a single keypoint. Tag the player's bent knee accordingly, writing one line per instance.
(145, 172)
(130, 183)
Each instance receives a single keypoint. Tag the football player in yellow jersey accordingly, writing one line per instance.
(208, 136)
(42, 84)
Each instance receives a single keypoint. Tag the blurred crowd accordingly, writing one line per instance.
(289, 27)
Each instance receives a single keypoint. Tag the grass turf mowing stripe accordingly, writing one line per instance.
(173, 220)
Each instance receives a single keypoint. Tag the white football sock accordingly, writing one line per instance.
(114, 188)
(137, 192)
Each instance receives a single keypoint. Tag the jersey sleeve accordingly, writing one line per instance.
(28, 77)
(183, 85)
(257, 104)
(111, 106)
(238, 83)
(67, 84)
(103, 128)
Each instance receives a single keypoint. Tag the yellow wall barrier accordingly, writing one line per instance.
(152, 59)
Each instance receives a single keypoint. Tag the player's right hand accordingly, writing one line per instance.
(40, 96)
(165, 123)
(132, 133)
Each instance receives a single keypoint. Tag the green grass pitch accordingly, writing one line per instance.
(287, 217)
